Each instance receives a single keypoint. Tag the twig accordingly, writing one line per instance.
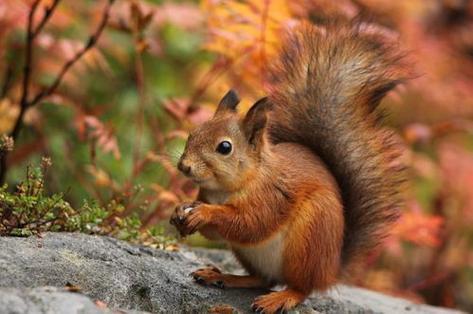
(25, 84)
(7, 79)
(47, 14)
(90, 43)
(30, 37)
(26, 70)
(141, 109)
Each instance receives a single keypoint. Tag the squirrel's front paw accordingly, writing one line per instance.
(186, 219)
(209, 276)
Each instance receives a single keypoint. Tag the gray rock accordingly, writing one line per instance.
(44, 300)
(142, 279)
(51, 300)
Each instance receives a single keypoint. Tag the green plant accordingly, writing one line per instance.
(28, 210)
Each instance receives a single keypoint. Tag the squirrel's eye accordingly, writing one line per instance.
(224, 148)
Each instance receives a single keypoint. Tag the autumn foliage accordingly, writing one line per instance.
(109, 90)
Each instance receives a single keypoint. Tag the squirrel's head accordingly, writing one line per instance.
(223, 152)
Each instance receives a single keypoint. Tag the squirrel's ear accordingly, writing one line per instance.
(229, 102)
(255, 121)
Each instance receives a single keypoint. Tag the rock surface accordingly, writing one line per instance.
(136, 278)
(45, 300)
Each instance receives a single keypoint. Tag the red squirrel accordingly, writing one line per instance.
(307, 182)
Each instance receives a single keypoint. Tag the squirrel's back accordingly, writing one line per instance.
(325, 90)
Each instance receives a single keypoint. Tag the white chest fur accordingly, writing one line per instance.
(266, 257)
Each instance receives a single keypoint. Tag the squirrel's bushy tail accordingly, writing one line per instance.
(325, 89)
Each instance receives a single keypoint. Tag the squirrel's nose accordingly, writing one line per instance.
(185, 169)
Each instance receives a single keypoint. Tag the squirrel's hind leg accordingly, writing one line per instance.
(279, 301)
(212, 276)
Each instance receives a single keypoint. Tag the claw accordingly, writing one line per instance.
(188, 209)
(255, 308)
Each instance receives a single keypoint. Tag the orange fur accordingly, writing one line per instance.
(276, 302)
(309, 208)
(308, 187)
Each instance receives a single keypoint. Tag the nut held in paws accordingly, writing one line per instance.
(188, 210)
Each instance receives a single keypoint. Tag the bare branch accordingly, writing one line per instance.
(7, 80)
(47, 14)
(25, 103)
(26, 69)
(88, 45)
(25, 86)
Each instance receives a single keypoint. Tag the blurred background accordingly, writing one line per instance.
(108, 91)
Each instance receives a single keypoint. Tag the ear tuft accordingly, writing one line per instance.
(229, 102)
(255, 121)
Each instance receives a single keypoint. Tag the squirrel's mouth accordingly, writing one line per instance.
(206, 183)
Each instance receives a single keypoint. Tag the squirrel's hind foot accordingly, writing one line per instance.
(277, 302)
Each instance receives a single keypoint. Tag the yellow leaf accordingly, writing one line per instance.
(247, 33)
